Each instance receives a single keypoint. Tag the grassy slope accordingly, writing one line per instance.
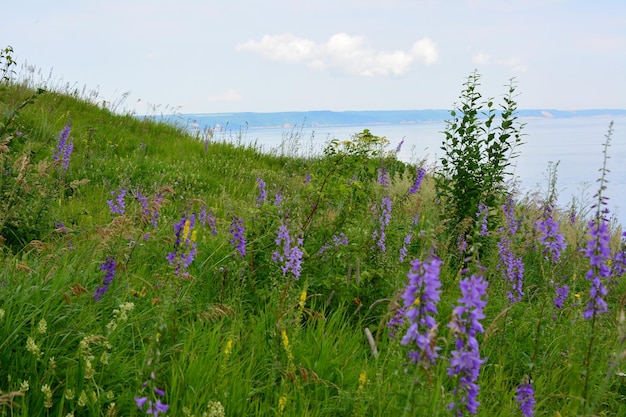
(233, 329)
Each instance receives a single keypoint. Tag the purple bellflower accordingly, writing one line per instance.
(552, 240)
(119, 205)
(262, 192)
(421, 172)
(108, 267)
(598, 252)
(526, 399)
(290, 255)
(238, 236)
(466, 361)
(185, 245)
(421, 296)
(379, 235)
(64, 148)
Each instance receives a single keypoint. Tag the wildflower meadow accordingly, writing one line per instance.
(147, 270)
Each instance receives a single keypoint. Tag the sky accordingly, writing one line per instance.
(194, 56)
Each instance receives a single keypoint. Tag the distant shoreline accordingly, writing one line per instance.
(329, 119)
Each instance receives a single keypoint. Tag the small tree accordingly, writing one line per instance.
(479, 145)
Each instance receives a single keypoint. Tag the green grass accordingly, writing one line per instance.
(216, 331)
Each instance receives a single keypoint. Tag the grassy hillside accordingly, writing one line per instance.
(145, 270)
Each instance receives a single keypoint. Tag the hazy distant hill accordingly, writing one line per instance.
(312, 119)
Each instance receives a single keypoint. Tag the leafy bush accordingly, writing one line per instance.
(479, 145)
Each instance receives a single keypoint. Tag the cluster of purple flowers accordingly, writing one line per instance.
(511, 266)
(483, 214)
(208, 218)
(143, 202)
(512, 269)
(561, 294)
(185, 244)
(290, 257)
(552, 240)
(379, 235)
(619, 260)
(404, 250)
(119, 205)
(64, 148)
(383, 177)
(154, 408)
(421, 172)
(396, 322)
(399, 147)
(108, 266)
(337, 240)
(421, 296)
(526, 399)
(278, 199)
(262, 192)
(466, 361)
(238, 236)
(599, 253)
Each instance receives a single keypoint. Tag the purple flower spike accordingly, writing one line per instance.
(119, 206)
(466, 361)
(598, 253)
(526, 399)
(290, 257)
(561, 295)
(512, 269)
(109, 267)
(420, 297)
(64, 148)
(619, 260)
(383, 177)
(185, 244)
(379, 235)
(483, 214)
(262, 192)
(553, 241)
(238, 238)
(404, 250)
(421, 172)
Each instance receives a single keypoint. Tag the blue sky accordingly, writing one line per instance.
(196, 56)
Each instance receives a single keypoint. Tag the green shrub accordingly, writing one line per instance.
(479, 145)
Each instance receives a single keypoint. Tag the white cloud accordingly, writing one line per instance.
(342, 52)
(228, 95)
(283, 48)
(427, 50)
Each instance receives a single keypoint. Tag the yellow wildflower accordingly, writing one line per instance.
(362, 381)
(302, 299)
(282, 402)
(186, 230)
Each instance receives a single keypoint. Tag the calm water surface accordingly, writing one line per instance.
(576, 144)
